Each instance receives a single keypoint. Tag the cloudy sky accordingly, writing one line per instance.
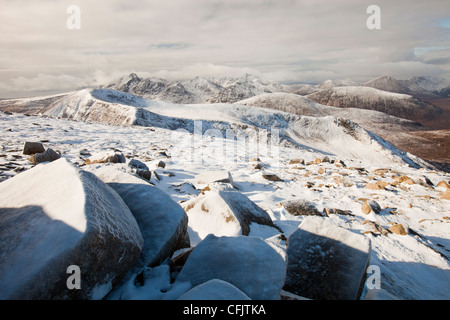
(281, 40)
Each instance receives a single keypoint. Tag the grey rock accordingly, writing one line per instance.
(326, 262)
(302, 207)
(163, 223)
(249, 263)
(46, 156)
(30, 148)
(137, 164)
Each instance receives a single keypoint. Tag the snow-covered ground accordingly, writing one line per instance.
(413, 266)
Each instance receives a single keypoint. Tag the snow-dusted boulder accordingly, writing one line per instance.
(54, 216)
(249, 263)
(214, 289)
(137, 164)
(326, 262)
(224, 211)
(162, 221)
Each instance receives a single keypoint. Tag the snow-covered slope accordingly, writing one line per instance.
(107, 106)
(329, 134)
(414, 265)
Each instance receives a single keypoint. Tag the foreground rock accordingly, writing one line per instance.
(399, 229)
(301, 207)
(214, 290)
(163, 223)
(271, 177)
(55, 216)
(48, 155)
(370, 206)
(446, 195)
(249, 263)
(326, 262)
(224, 211)
(105, 157)
(140, 169)
(30, 148)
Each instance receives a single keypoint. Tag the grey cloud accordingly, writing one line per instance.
(285, 40)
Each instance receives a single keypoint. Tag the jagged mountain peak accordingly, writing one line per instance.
(195, 90)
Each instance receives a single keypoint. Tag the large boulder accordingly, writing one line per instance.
(163, 223)
(223, 211)
(55, 216)
(249, 263)
(326, 262)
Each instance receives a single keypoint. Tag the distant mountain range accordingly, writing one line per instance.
(395, 110)
(196, 90)
(400, 98)
(421, 87)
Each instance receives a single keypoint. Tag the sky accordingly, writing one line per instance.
(281, 40)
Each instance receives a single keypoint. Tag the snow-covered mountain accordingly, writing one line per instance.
(422, 87)
(196, 90)
(152, 88)
(375, 121)
(436, 85)
(389, 84)
(242, 88)
(329, 134)
(396, 104)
